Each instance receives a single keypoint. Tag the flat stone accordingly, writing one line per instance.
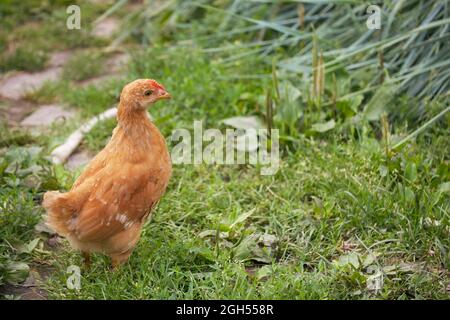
(14, 111)
(78, 159)
(46, 115)
(58, 59)
(96, 81)
(114, 67)
(17, 85)
(117, 62)
(106, 28)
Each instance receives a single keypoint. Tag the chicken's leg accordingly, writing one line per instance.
(86, 259)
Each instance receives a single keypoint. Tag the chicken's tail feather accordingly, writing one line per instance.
(60, 214)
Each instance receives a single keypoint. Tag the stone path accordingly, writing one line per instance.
(106, 28)
(47, 115)
(117, 62)
(17, 111)
(13, 111)
(17, 85)
(59, 59)
(114, 67)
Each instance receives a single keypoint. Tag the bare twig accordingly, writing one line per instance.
(62, 153)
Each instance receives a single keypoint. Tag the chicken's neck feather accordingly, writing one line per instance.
(135, 128)
(130, 114)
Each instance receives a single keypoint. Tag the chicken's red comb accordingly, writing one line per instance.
(156, 85)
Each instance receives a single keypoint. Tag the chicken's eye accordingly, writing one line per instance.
(148, 92)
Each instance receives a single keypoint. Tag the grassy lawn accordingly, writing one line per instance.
(344, 209)
(322, 208)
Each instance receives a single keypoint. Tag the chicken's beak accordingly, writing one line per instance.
(164, 95)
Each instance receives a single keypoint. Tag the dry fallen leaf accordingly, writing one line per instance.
(348, 246)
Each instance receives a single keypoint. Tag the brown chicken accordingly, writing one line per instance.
(110, 201)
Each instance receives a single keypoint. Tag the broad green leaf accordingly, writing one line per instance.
(411, 171)
(444, 187)
(390, 270)
(289, 92)
(29, 247)
(409, 194)
(349, 107)
(268, 239)
(383, 171)
(213, 233)
(242, 217)
(250, 122)
(16, 272)
(203, 252)
(249, 249)
(323, 127)
(348, 259)
(369, 259)
(264, 272)
(377, 105)
(244, 250)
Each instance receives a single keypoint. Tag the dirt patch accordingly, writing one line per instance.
(13, 112)
(31, 289)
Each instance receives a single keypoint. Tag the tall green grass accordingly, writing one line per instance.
(410, 52)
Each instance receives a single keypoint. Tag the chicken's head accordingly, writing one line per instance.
(143, 92)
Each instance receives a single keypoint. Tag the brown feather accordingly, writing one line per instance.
(106, 207)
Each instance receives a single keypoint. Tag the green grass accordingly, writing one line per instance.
(92, 100)
(39, 29)
(332, 189)
(316, 201)
(24, 175)
(26, 59)
(342, 206)
(83, 66)
(48, 93)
